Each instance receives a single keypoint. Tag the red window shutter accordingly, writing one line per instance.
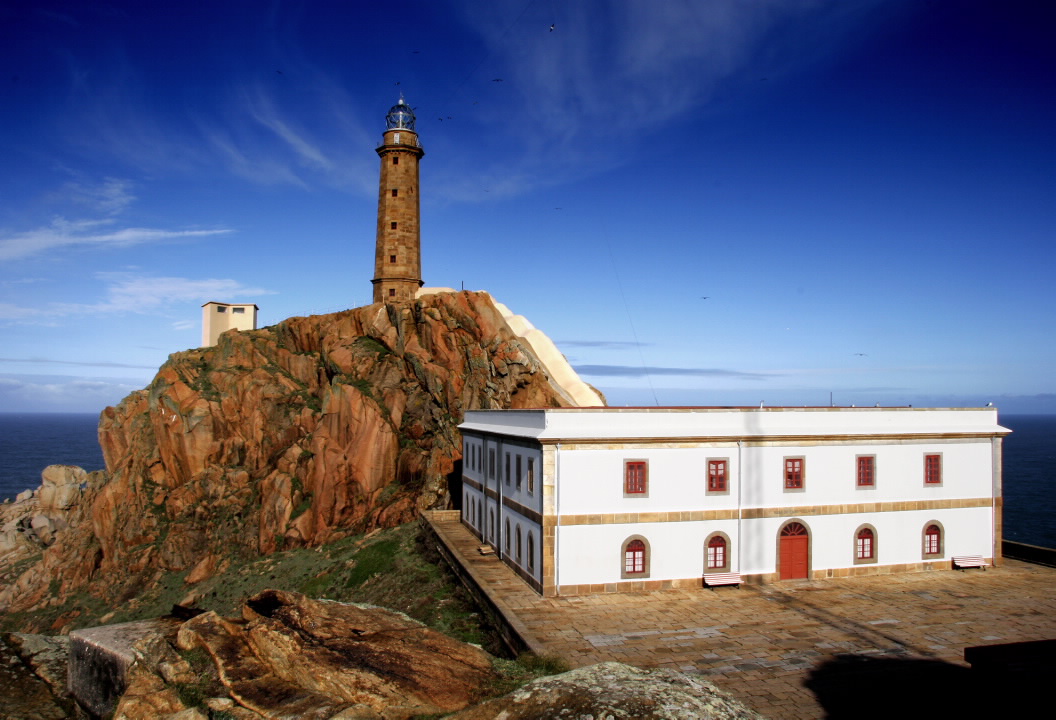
(865, 471)
(794, 472)
(717, 475)
(933, 469)
(635, 477)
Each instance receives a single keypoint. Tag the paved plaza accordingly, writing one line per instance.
(859, 647)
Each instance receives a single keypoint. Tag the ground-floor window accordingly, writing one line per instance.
(717, 553)
(865, 544)
(635, 558)
(933, 540)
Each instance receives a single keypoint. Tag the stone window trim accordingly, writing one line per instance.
(795, 473)
(933, 540)
(865, 544)
(712, 550)
(718, 476)
(635, 557)
(636, 478)
(865, 472)
(933, 469)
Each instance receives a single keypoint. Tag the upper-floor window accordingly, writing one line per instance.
(795, 473)
(491, 463)
(392, 225)
(933, 469)
(635, 477)
(866, 470)
(395, 192)
(717, 475)
(395, 159)
(518, 463)
(221, 309)
(506, 475)
(531, 475)
(238, 310)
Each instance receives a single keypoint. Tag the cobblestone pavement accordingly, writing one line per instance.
(829, 648)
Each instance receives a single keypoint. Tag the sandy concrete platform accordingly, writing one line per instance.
(881, 646)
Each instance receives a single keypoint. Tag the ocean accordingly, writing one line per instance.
(31, 442)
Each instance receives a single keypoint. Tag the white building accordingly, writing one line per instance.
(584, 500)
(218, 317)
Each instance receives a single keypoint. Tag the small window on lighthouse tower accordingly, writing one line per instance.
(392, 225)
(392, 258)
(395, 159)
(395, 192)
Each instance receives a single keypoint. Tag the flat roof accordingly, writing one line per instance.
(554, 424)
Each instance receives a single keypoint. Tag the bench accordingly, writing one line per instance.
(713, 580)
(486, 550)
(961, 562)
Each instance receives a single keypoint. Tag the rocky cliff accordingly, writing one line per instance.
(294, 435)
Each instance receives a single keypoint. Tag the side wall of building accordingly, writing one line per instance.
(502, 502)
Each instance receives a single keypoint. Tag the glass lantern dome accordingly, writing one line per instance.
(400, 117)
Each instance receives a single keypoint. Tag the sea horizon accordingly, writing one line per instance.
(29, 442)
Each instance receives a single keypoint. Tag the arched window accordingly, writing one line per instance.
(634, 558)
(717, 553)
(517, 546)
(933, 541)
(864, 547)
(531, 552)
(507, 543)
(491, 525)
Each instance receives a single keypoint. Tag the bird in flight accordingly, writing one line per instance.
(496, 79)
(705, 297)
(552, 27)
(861, 355)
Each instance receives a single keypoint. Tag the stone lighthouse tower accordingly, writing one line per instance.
(398, 255)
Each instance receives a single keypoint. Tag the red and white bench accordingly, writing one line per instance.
(713, 580)
(961, 562)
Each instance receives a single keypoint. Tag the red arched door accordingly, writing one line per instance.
(794, 552)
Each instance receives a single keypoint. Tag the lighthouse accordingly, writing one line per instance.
(398, 253)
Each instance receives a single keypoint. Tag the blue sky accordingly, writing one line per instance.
(864, 192)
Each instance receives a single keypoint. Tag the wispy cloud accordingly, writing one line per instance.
(109, 197)
(648, 370)
(615, 67)
(50, 361)
(132, 293)
(33, 393)
(606, 344)
(93, 233)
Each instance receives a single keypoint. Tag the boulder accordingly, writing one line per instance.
(613, 691)
(291, 656)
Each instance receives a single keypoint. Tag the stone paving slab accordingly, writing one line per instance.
(792, 649)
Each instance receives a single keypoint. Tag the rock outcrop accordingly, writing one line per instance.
(614, 691)
(294, 435)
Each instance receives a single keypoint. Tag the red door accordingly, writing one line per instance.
(794, 552)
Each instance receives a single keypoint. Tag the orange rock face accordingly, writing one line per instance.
(296, 434)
